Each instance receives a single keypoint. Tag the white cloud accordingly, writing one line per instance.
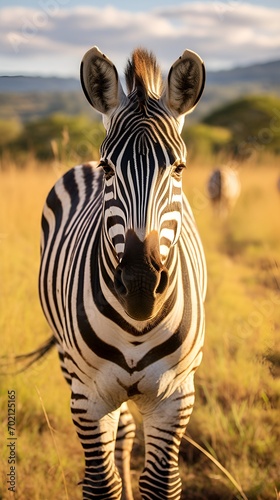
(53, 39)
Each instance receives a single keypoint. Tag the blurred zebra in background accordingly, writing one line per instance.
(123, 277)
(224, 189)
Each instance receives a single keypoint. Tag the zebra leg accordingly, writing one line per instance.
(96, 427)
(124, 443)
(164, 428)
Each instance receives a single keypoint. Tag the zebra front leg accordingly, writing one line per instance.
(97, 431)
(124, 443)
(164, 428)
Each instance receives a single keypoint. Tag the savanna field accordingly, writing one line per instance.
(236, 418)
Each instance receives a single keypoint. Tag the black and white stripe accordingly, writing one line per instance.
(122, 279)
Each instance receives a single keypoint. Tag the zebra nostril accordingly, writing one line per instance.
(163, 282)
(118, 282)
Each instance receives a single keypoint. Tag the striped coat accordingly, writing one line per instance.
(122, 278)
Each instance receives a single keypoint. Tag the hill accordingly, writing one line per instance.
(29, 106)
(30, 97)
(25, 84)
(266, 74)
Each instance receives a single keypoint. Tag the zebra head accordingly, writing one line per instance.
(143, 157)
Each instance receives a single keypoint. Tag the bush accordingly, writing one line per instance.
(205, 141)
(67, 139)
(9, 132)
(254, 123)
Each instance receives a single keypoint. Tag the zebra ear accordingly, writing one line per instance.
(185, 84)
(100, 82)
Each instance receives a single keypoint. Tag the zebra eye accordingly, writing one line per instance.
(179, 169)
(107, 169)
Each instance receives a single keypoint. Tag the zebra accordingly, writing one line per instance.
(224, 189)
(123, 276)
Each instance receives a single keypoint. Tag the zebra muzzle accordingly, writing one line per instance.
(141, 280)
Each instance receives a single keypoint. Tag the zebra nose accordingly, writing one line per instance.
(141, 269)
(141, 280)
(126, 282)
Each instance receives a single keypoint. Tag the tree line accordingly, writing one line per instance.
(242, 128)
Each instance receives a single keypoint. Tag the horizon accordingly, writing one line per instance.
(62, 77)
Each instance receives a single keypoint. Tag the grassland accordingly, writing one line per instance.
(236, 416)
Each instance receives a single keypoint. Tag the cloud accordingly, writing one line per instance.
(53, 38)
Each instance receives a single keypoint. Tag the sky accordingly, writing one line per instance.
(49, 37)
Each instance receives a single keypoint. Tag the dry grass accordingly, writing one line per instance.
(236, 417)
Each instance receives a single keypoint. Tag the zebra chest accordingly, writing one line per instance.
(110, 363)
(115, 384)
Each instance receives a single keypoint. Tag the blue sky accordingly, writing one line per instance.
(49, 37)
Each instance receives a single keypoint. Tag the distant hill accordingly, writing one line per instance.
(29, 106)
(267, 74)
(30, 97)
(26, 84)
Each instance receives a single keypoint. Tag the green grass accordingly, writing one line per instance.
(236, 416)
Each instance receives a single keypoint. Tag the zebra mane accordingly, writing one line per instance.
(143, 74)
